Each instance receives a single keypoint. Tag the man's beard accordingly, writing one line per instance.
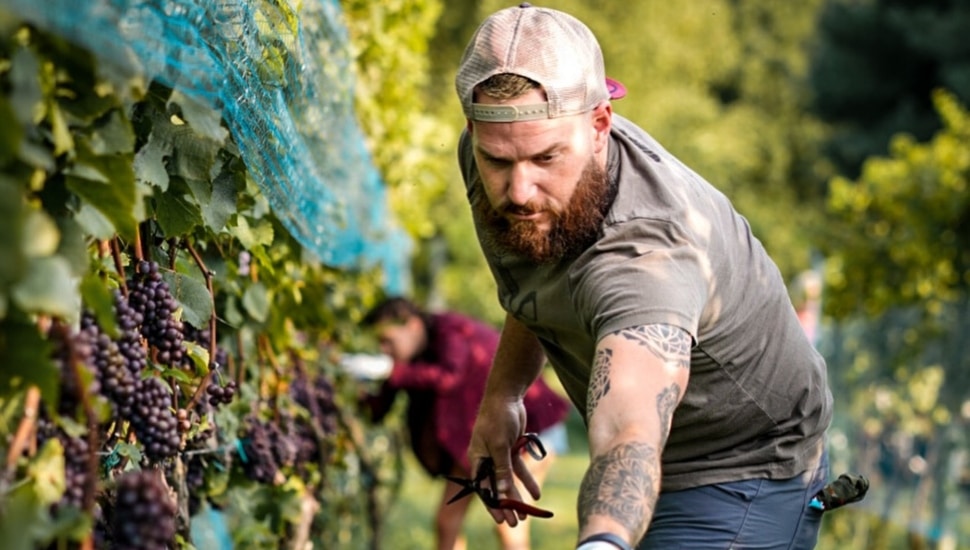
(571, 231)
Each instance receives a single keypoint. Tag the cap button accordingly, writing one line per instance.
(525, 5)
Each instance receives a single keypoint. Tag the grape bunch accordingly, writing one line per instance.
(129, 342)
(259, 460)
(318, 398)
(67, 346)
(144, 513)
(149, 295)
(76, 455)
(153, 420)
(220, 395)
(116, 380)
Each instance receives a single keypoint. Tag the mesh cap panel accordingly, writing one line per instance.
(548, 46)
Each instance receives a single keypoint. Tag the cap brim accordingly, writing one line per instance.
(617, 90)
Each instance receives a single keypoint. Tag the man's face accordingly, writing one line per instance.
(543, 180)
(401, 340)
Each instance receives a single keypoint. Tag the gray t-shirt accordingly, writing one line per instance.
(673, 250)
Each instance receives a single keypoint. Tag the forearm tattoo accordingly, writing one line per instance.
(622, 484)
(667, 401)
(669, 343)
(599, 382)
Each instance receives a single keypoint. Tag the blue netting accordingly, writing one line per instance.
(282, 81)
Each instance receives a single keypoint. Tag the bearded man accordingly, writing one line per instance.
(664, 318)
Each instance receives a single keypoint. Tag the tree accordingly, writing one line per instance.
(875, 64)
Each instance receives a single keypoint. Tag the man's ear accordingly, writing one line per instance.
(602, 121)
(469, 125)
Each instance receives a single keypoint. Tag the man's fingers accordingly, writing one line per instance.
(525, 476)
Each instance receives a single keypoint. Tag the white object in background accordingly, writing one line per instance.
(367, 366)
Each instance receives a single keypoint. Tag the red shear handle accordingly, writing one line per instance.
(519, 506)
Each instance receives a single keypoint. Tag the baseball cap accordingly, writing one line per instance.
(548, 46)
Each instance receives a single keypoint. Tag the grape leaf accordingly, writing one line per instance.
(11, 227)
(194, 297)
(107, 182)
(48, 287)
(11, 135)
(41, 235)
(149, 162)
(25, 357)
(113, 136)
(204, 119)
(177, 210)
(100, 301)
(256, 302)
(25, 517)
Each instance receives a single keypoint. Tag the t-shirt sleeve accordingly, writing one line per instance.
(642, 271)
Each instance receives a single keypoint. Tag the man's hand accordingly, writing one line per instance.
(498, 427)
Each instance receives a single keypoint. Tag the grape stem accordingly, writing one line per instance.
(24, 430)
(119, 265)
(212, 322)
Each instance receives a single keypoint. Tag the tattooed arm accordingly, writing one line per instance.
(638, 377)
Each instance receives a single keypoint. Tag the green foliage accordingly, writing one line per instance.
(906, 223)
(97, 173)
(875, 65)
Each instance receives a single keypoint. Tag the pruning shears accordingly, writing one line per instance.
(486, 472)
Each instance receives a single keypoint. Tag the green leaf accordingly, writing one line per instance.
(24, 515)
(41, 235)
(204, 119)
(26, 96)
(100, 301)
(149, 164)
(193, 295)
(72, 246)
(129, 450)
(12, 135)
(94, 223)
(256, 301)
(223, 202)
(11, 227)
(113, 136)
(107, 182)
(48, 287)
(199, 356)
(47, 470)
(252, 237)
(177, 211)
(25, 357)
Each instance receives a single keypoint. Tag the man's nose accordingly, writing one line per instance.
(521, 185)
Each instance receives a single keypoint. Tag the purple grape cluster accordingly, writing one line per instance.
(153, 420)
(76, 455)
(130, 342)
(67, 346)
(118, 383)
(220, 395)
(149, 295)
(259, 457)
(318, 398)
(144, 513)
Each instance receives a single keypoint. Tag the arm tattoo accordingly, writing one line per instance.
(669, 343)
(599, 383)
(621, 484)
(667, 401)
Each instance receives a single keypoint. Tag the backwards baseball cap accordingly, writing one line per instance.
(548, 46)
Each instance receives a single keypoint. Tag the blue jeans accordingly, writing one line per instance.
(756, 514)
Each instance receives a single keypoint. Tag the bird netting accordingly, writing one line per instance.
(279, 72)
